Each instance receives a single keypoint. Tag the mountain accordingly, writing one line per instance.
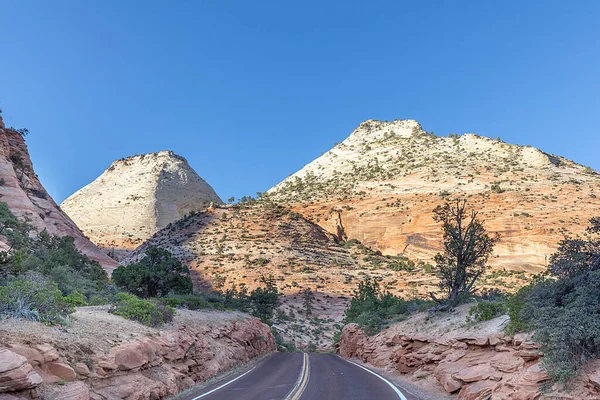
(137, 196)
(381, 184)
(238, 244)
(21, 189)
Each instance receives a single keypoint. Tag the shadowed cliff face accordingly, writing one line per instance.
(21, 189)
(382, 183)
(137, 196)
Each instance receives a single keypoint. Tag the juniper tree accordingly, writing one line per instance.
(308, 298)
(467, 248)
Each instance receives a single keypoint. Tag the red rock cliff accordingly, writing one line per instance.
(21, 189)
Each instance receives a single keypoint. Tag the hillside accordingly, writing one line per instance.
(24, 194)
(381, 184)
(137, 196)
(238, 244)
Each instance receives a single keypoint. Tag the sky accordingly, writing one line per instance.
(251, 91)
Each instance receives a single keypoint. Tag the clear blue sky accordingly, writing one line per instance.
(250, 91)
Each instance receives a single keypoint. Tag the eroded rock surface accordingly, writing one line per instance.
(473, 367)
(382, 183)
(155, 365)
(137, 196)
(21, 189)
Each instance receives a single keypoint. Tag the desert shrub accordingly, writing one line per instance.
(34, 300)
(496, 188)
(281, 343)
(143, 311)
(372, 309)
(193, 302)
(514, 306)
(54, 257)
(158, 274)
(562, 308)
(99, 301)
(486, 311)
(76, 299)
(350, 243)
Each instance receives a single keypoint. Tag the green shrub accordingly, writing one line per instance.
(76, 299)
(99, 301)
(372, 309)
(158, 274)
(191, 302)
(264, 300)
(281, 344)
(35, 301)
(144, 311)
(486, 311)
(563, 307)
(514, 305)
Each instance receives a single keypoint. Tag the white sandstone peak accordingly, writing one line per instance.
(136, 196)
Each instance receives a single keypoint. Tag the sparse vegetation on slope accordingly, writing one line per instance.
(372, 309)
(562, 307)
(42, 277)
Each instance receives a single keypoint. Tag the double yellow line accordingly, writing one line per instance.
(302, 381)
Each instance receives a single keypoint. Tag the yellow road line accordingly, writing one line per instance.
(302, 381)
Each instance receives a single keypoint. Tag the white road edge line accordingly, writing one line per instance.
(223, 385)
(398, 392)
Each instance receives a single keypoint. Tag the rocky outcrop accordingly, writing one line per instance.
(152, 367)
(492, 366)
(383, 182)
(16, 373)
(21, 189)
(137, 196)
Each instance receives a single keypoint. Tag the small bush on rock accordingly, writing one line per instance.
(486, 311)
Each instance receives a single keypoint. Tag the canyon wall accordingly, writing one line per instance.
(21, 189)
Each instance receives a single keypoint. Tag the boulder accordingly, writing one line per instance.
(477, 391)
(61, 370)
(16, 373)
(477, 373)
(33, 356)
(82, 369)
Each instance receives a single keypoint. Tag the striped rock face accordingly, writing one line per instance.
(137, 196)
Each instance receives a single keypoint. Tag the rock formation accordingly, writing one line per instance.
(137, 196)
(382, 183)
(21, 189)
(157, 365)
(478, 362)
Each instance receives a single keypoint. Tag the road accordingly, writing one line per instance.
(303, 376)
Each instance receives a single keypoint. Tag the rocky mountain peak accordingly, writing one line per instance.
(373, 130)
(136, 196)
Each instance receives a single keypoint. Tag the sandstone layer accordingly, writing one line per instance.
(21, 189)
(381, 184)
(106, 357)
(137, 196)
(474, 362)
(236, 245)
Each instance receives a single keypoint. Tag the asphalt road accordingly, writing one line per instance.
(302, 376)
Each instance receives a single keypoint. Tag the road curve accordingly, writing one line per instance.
(298, 376)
